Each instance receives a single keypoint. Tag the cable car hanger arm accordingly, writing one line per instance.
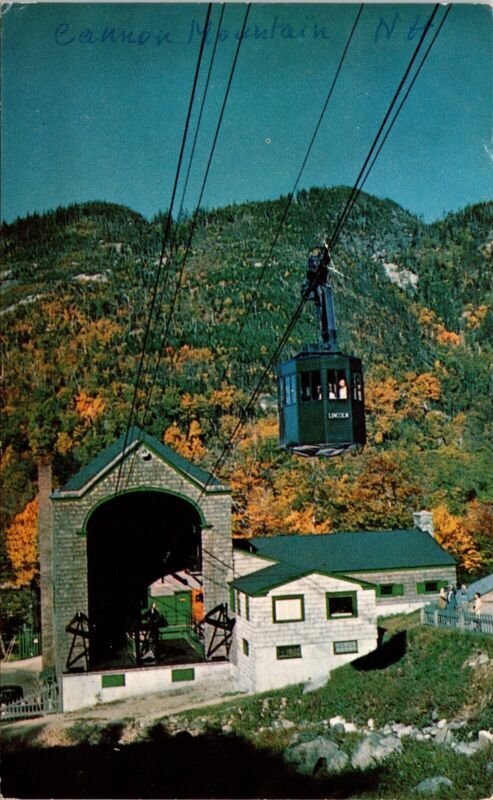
(317, 288)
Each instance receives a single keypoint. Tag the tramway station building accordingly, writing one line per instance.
(144, 589)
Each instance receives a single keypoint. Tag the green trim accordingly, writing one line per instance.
(352, 649)
(265, 580)
(354, 604)
(285, 651)
(402, 568)
(300, 597)
(137, 490)
(187, 674)
(109, 681)
(109, 458)
(421, 586)
(396, 590)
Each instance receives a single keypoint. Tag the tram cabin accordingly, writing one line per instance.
(321, 403)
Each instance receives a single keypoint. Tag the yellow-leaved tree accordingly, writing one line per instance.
(189, 446)
(451, 531)
(22, 544)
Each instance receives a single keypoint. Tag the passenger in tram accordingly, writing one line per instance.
(342, 389)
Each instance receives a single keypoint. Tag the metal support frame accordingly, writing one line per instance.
(79, 628)
(222, 625)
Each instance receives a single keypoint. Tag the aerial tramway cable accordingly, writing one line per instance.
(290, 198)
(192, 228)
(398, 111)
(299, 175)
(164, 243)
(339, 225)
(197, 210)
(355, 190)
(185, 186)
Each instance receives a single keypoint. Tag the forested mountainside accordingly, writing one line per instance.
(412, 300)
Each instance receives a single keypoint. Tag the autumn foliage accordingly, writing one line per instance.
(71, 350)
(22, 544)
(451, 531)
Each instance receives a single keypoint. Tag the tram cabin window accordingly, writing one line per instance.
(289, 390)
(311, 386)
(337, 384)
(357, 387)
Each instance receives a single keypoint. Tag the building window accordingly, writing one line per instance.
(246, 647)
(337, 384)
(232, 599)
(288, 651)
(289, 390)
(247, 607)
(357, 386)
(290, 608)
(349, 646)
(238, 603)
(390, 590)
(341, 604)
(430, 587)
(311, 386)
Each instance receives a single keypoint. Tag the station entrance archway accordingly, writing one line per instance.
(134, 539)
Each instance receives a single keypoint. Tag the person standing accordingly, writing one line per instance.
(442, 599)
(477, 610)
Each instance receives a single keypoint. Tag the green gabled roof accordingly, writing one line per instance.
(257, 584)
(361, 551)
(112, 455)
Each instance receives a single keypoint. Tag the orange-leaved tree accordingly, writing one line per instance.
(189, 446)
(452, 533)
(22, 544)
(479, 524)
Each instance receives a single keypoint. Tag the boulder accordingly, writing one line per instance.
(444, 735)
(485, 739)
(432, 785)
(466, 748)
(405, 730)
(319, 753)
(374, 749)
(282, 724)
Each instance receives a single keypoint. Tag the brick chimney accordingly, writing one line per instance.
(424, 521)
(45, 544)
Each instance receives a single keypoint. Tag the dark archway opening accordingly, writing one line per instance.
(132, 541)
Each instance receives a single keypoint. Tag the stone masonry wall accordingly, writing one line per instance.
(71, 515)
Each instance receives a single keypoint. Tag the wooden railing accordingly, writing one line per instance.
(457, 619)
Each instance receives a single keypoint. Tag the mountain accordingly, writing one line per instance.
(412, 300)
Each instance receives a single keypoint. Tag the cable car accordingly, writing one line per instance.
(321, 390)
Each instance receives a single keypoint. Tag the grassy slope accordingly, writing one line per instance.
(427, 681)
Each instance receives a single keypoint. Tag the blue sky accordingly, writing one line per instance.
(95, 98)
